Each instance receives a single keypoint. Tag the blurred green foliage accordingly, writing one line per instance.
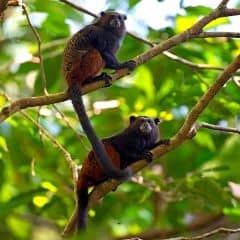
(36, 196)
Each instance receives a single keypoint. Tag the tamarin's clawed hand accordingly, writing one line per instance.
(87, 52)
(164, 142)
(131, 64)
(132, 144)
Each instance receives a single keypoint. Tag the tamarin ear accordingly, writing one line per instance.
(102, 13)
(157, 120)
(132, 119)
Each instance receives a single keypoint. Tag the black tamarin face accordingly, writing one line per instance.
(145, 126)
(112, 20)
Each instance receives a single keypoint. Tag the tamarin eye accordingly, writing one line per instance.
(102, 13)
(124, 17)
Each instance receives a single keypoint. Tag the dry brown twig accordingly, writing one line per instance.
(65, 153)
(77, 133)
(208, 234)
(43, 76)
(217, 127)
(199, 222)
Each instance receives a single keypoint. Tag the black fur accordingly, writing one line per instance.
(132, 144)
(106, 39)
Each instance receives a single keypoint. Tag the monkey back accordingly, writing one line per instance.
(91, 172)
(81, 61)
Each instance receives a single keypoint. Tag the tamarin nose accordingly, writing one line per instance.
(115, 23)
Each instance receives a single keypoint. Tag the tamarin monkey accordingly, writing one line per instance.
(86, 54)
(124, 148)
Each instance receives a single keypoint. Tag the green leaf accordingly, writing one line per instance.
(205, 140)
(198, 10)
(19, 200)
(217, 22)
(184, 22)
(144, 81)
(132, 3)
(3, 144)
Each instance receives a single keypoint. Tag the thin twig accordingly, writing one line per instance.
(78, 134)
(43, 76)
(189, 63)
(66, 154)
(200, 221)
(54, 43)
(217, 127)
(81, 9)
(218, 34)
(208, 234)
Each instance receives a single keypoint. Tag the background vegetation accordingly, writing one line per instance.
(190, 188)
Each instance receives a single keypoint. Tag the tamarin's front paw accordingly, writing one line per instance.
(147, 156)
(164, 142)
(107, 79)
(131, 64)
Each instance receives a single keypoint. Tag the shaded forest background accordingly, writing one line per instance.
(191, 189)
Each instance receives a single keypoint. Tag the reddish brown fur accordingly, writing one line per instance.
(90, 65)
(91, 172)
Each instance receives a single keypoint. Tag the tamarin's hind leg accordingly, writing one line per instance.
(103, 76)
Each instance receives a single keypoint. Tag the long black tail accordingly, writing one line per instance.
(82, 198)
(98, 148)
(78, 219)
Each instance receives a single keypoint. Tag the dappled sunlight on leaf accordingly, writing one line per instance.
(144, 81)
(49, 186)
(235, 189)
(184, 22)
(40, 201)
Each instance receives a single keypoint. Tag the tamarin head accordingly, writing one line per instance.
(145, 126)
(113, 21)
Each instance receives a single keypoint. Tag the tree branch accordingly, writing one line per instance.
(208, 234)
(217, 127)
(218, 34)
(31, 102)
(230, 12)
(200, 221)
(3, 6)
(43, 76)
(189, 63)
(81, 9)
